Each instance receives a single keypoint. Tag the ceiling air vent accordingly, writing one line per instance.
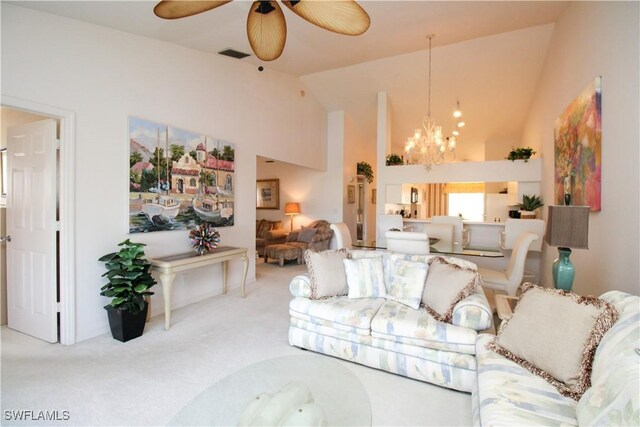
(233, 53)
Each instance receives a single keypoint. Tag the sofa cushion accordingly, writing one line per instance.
(351, 315)
(407, 283)
(327, 274)
(398, 322)
(365, 277)
(614, 396)
(447, 284)
(555, 334)
(509, 395)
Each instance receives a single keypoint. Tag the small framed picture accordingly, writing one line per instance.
(268, 194)
(351, 193)
(374, 196)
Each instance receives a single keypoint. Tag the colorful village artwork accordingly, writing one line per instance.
(178, 179)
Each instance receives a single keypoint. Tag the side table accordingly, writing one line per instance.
(167, 267)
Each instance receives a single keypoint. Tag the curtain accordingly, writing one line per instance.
(436, 200)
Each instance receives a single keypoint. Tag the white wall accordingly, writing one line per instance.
(104, 76)
(597, 39)
(305, 186)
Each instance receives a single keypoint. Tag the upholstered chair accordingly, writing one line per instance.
(407, 242)
(508, 281)
(385, 223)
(461, 235)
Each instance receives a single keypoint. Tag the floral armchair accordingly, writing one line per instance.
(268, 233)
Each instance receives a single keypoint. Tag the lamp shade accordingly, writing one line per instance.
(292, 208)
(568, 226)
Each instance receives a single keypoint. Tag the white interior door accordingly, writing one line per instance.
(31, 225)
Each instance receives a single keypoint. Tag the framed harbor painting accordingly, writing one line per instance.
(578, 139)
(268, 194)
(178, 178)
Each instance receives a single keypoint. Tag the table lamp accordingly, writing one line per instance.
(567, 227)
(292, 209)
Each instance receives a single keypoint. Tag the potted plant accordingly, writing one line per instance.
(394, 159)
(365, 169)
(129, 283)
(521, 154)
(529, 205)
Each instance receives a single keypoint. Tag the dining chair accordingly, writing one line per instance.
(341, 236)
(509, 280)
(514, 227)
(385, 223)
(460, 234)
(407, 242)
(443, 232)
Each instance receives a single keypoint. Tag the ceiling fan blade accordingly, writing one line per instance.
(340, 16)
(266, 29)
(174, 9)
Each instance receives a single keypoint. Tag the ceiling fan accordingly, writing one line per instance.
(266, 26)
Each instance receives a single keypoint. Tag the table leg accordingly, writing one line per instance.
(225, 272)
(245, 259)
(167, 287)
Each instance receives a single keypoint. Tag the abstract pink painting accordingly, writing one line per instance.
(578, 159)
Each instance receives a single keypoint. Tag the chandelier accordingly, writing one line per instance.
(431, 147)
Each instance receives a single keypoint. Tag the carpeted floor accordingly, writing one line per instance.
(148, 380)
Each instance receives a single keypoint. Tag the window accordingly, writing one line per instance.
(192, 182)
(469, 205)
(228, 186)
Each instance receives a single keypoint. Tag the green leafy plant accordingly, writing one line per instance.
(521, 154)
(394, 160)
(530, 203)
(129, 277)
(365, 169)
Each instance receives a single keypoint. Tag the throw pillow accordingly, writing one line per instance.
(407, 283)
(387, 264)
(554, 334)
(292, 237)
(447, 284)
(326, 273)
(365, 277)
(306, 234)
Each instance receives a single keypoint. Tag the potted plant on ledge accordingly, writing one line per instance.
(521, 154)
(129, 283)
(529, 205)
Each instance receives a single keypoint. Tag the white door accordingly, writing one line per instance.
(31, 225)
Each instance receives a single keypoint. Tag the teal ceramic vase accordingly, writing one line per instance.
(563, 270)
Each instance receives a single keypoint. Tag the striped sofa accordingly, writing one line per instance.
(506, 394)
(391, 336)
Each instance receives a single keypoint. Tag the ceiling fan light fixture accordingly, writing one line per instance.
(175, 9)
(340, 16)
(457, 113)
(267, 32)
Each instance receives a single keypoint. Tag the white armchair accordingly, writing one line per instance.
(407, 242)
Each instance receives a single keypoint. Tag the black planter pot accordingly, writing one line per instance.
(126, 326)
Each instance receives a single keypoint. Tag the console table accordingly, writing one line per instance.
(168, 266)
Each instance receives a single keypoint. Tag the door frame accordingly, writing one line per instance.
(66, 252)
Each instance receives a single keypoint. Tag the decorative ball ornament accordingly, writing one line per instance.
(204, 238)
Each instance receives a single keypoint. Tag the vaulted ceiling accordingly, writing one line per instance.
(486, 54)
